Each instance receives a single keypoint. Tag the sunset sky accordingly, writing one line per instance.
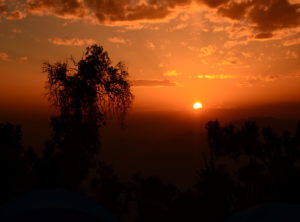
(239, 58)
(224, 53)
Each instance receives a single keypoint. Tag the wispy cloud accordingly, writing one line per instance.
(153, 83)
(171, 73)
(218, 76)
(231, 44)
(291, 42)
(23, 58)
(117, 40)
(291, 55)
(3, 56)
(150, 45)
(15, 15)
(71, 41)
(16, 30)
(229, 61)
(179, 27)
(206, 51)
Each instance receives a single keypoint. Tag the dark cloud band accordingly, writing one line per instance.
(265, 16)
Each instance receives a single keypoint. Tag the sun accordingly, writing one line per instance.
(197, 105)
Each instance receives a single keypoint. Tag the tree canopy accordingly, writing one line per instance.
(83, 92)
(90, 87)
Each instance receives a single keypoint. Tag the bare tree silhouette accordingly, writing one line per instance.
(84, 93)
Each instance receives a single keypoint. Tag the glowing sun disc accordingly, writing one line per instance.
(197, 105)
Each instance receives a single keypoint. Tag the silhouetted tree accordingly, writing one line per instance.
(83, 93)
(252, 166)
(15, 162)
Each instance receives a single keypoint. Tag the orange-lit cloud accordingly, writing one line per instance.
(219, 76)
(179, 26)
(230, 61)
(10, 11)
(206, 51)
(249, 81)
(71, 41)
(262, 17)
(117, 40)
(15, 30)
(103, 10)
(15, 15)
(171, 73)
(61, 8)
(291, 42)
(291, 55)
(3, 56)
(152, 83)
(150, 45)
(265, 16)
(24, 58)
(214, 3)
(230, 44)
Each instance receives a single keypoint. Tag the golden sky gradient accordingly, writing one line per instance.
(224, 53)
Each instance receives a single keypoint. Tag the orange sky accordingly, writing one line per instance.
(224, 53)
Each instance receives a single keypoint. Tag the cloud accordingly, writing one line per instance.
(179, 26)
(150, 45)
(230, 61)
(15, 15)
(184, 17)
(206, 51)
(214, 3)
(265, 16)
(292, 42)
(134, 26)
(264, 35)
(169, 54)
(71, 41)
(117, 40)
(60, 8)
(250, 81)
(233, 10)
(262, 17)
(231, 44)
(24, 58)
(171, 73)
(102, 11)
(15, 30)
(219, 76)
(10, 11)
(3, 56)
(152, 83)
(291, 55)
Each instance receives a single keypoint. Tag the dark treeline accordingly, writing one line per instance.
(246, 165)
